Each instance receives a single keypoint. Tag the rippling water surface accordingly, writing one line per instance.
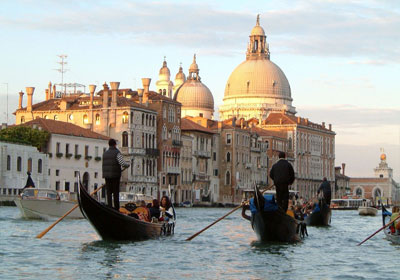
(228, 250)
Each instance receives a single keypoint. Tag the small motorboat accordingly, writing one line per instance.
(270, 223)
(366, 209)
(110, 224)
(46, 204)
(320, 215)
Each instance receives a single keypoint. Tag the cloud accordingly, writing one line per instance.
(366, 30)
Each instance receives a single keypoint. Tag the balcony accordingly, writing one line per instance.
(152, 152)
(204, 154)
(144, 179)
(173, 170)
(255, 149)
(176, 143)
(249, 165)
(202, 177)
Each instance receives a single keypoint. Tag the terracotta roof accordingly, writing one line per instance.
(284, 119)
(154, 96)
(368, 180)
(188, 125)
(266, 132)
(64, 128)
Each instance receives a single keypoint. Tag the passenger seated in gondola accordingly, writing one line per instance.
(128, 209)
(142, 211)
(155, 210)
(395, 227)
(166, 210)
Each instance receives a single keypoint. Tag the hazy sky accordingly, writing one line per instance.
(341, 57)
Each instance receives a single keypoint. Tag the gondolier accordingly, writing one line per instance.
(283, 175)
(113, 163)
(325, 187)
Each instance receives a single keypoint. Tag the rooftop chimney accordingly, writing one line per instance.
(307, 121)
(298, 120)
(146, 86)
(323, 124)
(343, 166)
(29, 92)
(114, 88)
(241, 123)
(105, 95)
(53, 95)
(330, 126)
(140, 94)
(92, 89)
(47, 93)
(21, 95)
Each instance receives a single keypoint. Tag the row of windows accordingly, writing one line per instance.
(76, 150)
(29, 164)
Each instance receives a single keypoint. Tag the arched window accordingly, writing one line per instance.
(125, 117)
(377, 193)
(56, 117)
(39, 166)
(8, 162)
(132, 139)
(29, 165)
(131, 117)
(359, 192)
(154, 121)
(97, 119)
(228, 157)
(142, 119)
(46, 117)
(22, 119)
(85, 119)
(147, 120)
(164, 91)
(19, 164)
(227, 178)
(124, 139)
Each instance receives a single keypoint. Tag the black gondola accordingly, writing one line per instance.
(270, 223)
(113, 225)
(320, 216)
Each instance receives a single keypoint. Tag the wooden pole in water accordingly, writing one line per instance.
(40, 235)
(223, 217)
(385, 226)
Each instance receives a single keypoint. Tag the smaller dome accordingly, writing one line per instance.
(383, 156)
(164, 70)
(180, 75)
(194, 94)
(257, 31)
(193, 67)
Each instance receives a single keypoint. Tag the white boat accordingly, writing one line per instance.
(46, 204)
(126, 197)
(346, 203)
(366, 209)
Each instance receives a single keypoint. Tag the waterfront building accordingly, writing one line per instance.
(184, 191)
(112, 113)
(202, 162)
(72, 150)
(342, 182)
(380, 187)
(15, 161)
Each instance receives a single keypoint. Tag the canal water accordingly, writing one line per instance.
(228, 250)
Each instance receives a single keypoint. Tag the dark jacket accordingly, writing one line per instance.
(282, 173)
(111, 167)
(325, 188)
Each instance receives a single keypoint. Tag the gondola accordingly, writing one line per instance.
(270, 223)
(320, 216)
(395, 238)
(110, 224)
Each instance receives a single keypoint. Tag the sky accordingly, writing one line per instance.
(341, 57)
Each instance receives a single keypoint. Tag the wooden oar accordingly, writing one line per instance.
(223, 217)
(40, 235)
(385, 226)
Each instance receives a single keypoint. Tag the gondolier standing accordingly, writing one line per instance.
(326, 190)
(113, 164)
(283, 175)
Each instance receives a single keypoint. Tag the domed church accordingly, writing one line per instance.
(257, 86)
(196, 98)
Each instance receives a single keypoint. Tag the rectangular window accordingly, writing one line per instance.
(163, 180)
(49, 172)
(228, 139)
(214, 156)
(66, 187)
(76, 149)
(66, 149)
(96, 151)
(57, 172)
(86, 151)
(57, 148)
(95, 174)
(215, 172)
(57, 185)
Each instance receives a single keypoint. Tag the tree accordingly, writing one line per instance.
(25, 135)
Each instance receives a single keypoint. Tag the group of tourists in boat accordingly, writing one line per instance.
(283, 217)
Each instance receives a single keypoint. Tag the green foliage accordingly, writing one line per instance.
(25, 135)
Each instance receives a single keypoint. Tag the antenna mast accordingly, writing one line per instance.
(62, 70)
